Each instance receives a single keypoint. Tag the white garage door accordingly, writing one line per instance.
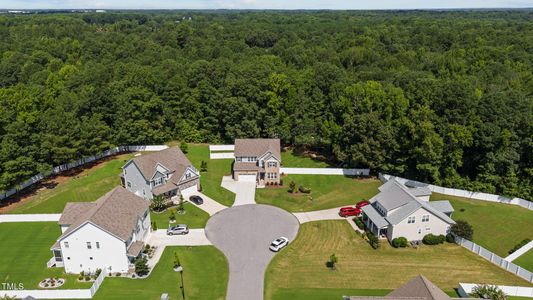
(189, 191)
(247, 178)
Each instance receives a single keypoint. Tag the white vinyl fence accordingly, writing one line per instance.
(520, 251)
(214, 148)
(222, 155)
(58, 294)
(461, 193)
(518, 291)
(56, 170)
(221, 151)
(326, 171)
(29, 218)
(495, 259)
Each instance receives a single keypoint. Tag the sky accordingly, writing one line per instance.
(262, 4)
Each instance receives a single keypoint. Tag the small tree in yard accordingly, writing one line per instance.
(463, 229)
(158, 203)
(141, 266)
(172, 216)
(333, 261)
(177, 262)
(486, 291)
(203, 166)
(184, 147)
(154, 225)
(181, 209)
(292, 187)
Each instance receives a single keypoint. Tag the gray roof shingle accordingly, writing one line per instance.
(171, 158)
(257, 147)
(443, 206)
(116, 212)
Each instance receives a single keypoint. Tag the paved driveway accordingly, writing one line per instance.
(160, 239)
(244, 193)
(319, 215)
(243, 233)
(210, 206)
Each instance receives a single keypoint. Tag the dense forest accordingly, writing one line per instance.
(443, 97)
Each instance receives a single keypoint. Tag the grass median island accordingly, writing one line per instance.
(211, 180)
(497, 227)
(525, 260)
(25, 249)
(194, 217)
(205, 274)
(86, 186)
(302, 265)
(327, 191)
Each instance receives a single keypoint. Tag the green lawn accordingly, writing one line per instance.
(327, 191)
(302, 265)
(212, 179)
(25, 249)
(497, 227)
(525, 260)
(323, 294)
(290, 159)
(89, 185)
(193, 217)
(205, 275)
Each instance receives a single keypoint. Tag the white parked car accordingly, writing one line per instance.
(279, 244)
(178, 229)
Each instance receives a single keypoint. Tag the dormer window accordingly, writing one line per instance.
(188, 175)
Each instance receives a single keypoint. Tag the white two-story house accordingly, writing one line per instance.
(257, 160)
(106, 234)
(399, 211)
(167, 172)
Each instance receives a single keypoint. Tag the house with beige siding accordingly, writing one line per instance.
(400, 211)
(257, 160)
(168, 173)
(108, 233)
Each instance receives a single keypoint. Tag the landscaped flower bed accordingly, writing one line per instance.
(51, 283)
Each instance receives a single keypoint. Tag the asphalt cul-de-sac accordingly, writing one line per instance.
(243, 233)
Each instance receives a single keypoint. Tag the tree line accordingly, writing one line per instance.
(442, 97)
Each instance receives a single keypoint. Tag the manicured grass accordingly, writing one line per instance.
(89, 185)
(25, 249)
(290, 159)
(497, 227)
(525, 260)
(205, 274)
(302, 265)
(193, 217)
(327, 191)
(211, 180)
(323, 294)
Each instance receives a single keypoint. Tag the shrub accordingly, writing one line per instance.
(372, 240)
(304, 189)
(292, 187)
(117, 274)
(281, 182)
(486, 291)
(87, 278)
(431, 239)
(203, 166)
(332, 263)
(463, 229)
(80, 278)
(519, 245)
(359, 223)
(154, 225)
(450, 238)
(82, 273)
(141, 267)
(399, 242)
(184, 147)
(98, 272)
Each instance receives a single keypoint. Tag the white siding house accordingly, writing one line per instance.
(397, 212)
(106, 234)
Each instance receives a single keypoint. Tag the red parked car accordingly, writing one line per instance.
(349, 211)
(361, 204)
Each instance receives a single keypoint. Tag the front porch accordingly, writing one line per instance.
(374, 222)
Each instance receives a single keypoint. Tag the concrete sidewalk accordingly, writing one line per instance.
(319, 215)
(210, 206)
(30, 218)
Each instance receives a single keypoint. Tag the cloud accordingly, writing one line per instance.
(263, 4)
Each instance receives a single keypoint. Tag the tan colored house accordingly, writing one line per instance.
(257, 160)
(418, 288)
(400, 211)
(108, 233)
(167, 172)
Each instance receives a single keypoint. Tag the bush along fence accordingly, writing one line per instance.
(65, 167)
(58, 294)
(461, 193)
(465, 289)
(495, 259)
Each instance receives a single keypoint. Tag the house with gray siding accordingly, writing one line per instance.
(400, 211)
(168, 173)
